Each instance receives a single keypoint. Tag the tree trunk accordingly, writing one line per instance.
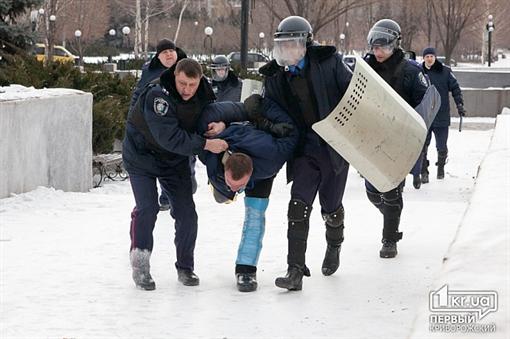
(180, 21)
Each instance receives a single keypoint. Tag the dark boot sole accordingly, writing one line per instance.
(146, 287)
(243, 288)
(283, 284)
(190, 283)
(328, 271)
(387, 255)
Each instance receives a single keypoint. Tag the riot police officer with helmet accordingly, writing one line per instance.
(225, 83)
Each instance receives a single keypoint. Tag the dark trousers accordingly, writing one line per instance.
(163, 198)
(441, 136)
(315, 173)
(143, 217)
(390, 204)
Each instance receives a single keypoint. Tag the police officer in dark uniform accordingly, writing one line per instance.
(225, 83)
(160, 138)
(405, 77)
(308, 81)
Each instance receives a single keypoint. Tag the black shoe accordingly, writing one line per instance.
(424, 178)
(164, 207)
(331, 260)
(143, 280)
(246, 282)
(293, 281)
(440, 171)
(389, 249)
(417, 181)
(187, 277)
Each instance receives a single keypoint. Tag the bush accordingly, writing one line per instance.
(111, 94)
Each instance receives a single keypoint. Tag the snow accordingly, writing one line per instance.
(19, 92)
(65, 265)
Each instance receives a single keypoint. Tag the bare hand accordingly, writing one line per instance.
(214, 128)
(215, 145)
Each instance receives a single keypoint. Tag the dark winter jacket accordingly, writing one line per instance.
(151, 70)
(228, 89)
(161, 129)
(442, 77)
(267, 152)
(404, 76)
(328, 79)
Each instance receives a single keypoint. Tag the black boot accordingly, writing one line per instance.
(334, 237)
(441, 161)
(388, 249)
(140, 263)
(416, 181)
(246, 282)
(331, 260)
(425, 170)
(187, 277)
(293, 281)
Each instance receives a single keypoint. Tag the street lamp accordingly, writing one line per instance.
(208, 31)
(126, 30)
(342, 40)
(347, 37)
(77, 35)
(112, 33)
(490, 28)
(261, 40)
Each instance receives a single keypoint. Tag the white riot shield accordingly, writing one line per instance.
(374, 129)
(250, 87)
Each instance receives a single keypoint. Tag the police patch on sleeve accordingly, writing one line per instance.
(424, 81)
(160, 106)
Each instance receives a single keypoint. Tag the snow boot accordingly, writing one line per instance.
(187, 277)
(293, 281)
(141, 269)
(416, 181)
(334, 237)
(388, 249)
(441, 161)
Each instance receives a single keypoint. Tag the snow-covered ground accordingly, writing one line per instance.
(65, 271)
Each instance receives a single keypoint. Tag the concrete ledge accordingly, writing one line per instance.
(46, 140)
(483, 102)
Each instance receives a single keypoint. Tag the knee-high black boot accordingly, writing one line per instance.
(297, 234)
(334, 237)
(441, 161)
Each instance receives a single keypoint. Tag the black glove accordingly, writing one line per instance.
(281, 130)
(254, 106)
(461, 110)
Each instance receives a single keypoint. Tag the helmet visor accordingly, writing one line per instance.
(289, 51)
(219, 73)
(381, 37)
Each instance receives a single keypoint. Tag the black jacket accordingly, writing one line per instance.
(161, 129)
(404, 76)
(442, 77)
(151, 70)
(329, 78)
(228, 89)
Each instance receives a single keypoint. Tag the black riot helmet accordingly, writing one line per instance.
(294, 26)
(385, 32)
(291, 38)
(219, 68)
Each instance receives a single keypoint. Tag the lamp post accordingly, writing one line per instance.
(346, 37)
(342, 41)
(51, 36)
(208, 31)
(261, 41)
(126, 30)
(490, 28)
(111, 33)
(77, 35)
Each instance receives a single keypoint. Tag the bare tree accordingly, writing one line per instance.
(451, 17)
(319, 12)
(184, 5)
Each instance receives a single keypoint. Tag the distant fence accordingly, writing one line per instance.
(46, 141)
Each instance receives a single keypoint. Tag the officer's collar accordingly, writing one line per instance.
(296, 69)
